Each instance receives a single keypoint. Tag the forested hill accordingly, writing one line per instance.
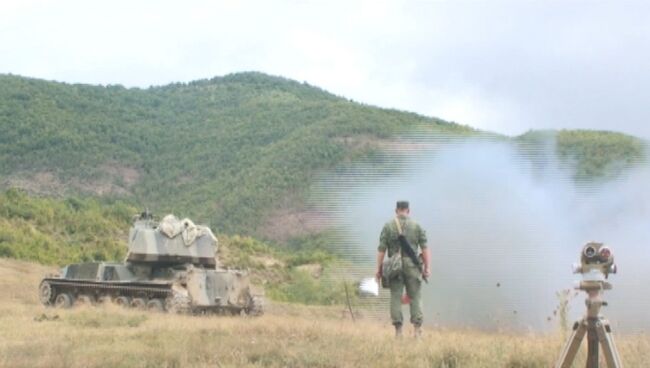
(232, 151)
(225, 150)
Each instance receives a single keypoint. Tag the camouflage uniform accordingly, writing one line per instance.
(411, 277)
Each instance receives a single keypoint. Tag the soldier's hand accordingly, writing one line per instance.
(426, 273)
(378, 276)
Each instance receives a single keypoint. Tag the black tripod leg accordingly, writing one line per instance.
(572, 345)
(607, 342)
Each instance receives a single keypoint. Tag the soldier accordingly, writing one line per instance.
(402, 272)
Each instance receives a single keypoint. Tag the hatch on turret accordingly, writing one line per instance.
(172, 241)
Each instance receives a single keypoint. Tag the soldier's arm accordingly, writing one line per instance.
(380, 260)
(381, 250)
(426, 259)
(426, 254)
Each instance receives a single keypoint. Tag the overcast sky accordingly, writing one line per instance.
(501, 66)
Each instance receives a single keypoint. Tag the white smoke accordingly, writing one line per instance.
(504, 226)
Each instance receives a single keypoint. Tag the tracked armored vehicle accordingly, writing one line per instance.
(170, 266)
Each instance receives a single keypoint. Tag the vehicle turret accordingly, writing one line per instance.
(172, 241)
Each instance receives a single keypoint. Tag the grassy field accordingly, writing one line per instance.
(287, 336)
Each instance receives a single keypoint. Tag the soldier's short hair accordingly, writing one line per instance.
(402, 205)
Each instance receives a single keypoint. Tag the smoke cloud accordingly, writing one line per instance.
(504, 223)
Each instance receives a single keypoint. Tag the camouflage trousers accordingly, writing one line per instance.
(409, 279)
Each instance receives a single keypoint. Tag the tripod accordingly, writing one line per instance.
(598, 332)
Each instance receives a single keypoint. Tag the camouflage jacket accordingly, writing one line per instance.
(415, 235)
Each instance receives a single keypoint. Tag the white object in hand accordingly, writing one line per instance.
(369, 286)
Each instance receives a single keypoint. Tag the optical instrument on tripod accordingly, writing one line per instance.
(596, 263)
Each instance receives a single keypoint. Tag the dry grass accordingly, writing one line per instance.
(288, 336)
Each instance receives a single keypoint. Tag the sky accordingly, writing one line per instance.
(504, 66)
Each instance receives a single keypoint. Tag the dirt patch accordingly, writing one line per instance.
(287, 223)
(40, 183)
(365, 142)
(361, 142)
(126, 174)
(268, 261)
(113, 179)
(313, 269)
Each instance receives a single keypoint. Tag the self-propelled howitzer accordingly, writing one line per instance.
(171, 266)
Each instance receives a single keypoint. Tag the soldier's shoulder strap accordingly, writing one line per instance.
(399, 226)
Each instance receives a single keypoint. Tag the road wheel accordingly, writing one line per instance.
(122, 301)
(85, 300)
(155, 305)
(46, 293)
(63, 300)
(104, 300)
(138, 303)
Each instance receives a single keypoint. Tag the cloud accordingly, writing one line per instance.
(503, 66)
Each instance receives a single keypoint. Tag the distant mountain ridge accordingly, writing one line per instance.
(234, 151)
(227, 149)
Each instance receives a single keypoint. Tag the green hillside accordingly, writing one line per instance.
(56, 231)
(590, 155)
(232, 151)
(225, 150)
(599, 154)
